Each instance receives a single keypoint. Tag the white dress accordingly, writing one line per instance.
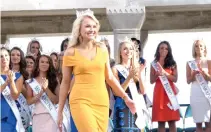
(199, 104)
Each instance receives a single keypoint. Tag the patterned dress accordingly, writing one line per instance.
(123, 120)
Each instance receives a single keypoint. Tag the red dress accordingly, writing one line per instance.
(160, 110)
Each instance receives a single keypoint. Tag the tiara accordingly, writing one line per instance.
(4, 46)
(84, 13)
(126, 39)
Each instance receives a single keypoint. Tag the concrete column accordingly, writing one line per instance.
(3, 38)
(126, 22)
(143, 39)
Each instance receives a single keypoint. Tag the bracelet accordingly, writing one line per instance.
(124, 97)
(207, 77)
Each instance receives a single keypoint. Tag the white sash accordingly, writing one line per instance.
(48, 104)
(166, 85)
(137, 98)
(24, 110)
(202, 82)
(13, 106)
(66, 116)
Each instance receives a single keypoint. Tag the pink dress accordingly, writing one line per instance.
(42, 120)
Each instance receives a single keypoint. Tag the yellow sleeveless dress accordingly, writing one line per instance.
(89, 102)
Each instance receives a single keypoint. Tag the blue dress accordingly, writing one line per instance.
(8, 120)
(73, 127)
(72, 124)
(123, 119)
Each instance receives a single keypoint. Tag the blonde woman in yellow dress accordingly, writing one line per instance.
(89, 62)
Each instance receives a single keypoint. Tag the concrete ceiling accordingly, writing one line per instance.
(60, 21)
(10, 5)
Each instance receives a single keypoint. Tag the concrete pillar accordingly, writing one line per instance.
(126, 22)
(143, 39)
(3, 38)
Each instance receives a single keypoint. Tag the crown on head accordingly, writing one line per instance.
(6, 45)
(84, 13)
(126, 39)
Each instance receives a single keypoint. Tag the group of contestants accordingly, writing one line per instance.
(34, 90)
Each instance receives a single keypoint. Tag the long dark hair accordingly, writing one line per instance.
(30, 57)
(33, 59)
(63, 42)
(51, 73)
(22, 63)
(57, 69)
(169, 61)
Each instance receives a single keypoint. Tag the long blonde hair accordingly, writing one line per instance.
(29, 47)
(76, 30)
(135, 59)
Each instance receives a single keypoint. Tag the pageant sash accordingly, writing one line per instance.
(66, 116)
(167, 87)
(13, 106)
(43, 99)
(47, 102)
(66, 112)
(24, 110)
(137, 98)
(202, 82)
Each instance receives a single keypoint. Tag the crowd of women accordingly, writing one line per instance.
(70, 90)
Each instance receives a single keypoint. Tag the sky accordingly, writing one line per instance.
(181, 43)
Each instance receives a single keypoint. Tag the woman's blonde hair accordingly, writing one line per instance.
(193, 48)
(29, 47)
(120, 47)
(75, 40)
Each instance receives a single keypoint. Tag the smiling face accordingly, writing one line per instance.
(5, 58)
(55, 60)
(15, 56)
(199, 49)
(43, 64)
(126, 51)
(65, 46)
(35, 48)
(88, 29)
(29, 65)
(163, 50)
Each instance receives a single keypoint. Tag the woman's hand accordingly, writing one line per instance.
(44, 83)
(130, 104)
(205, 75)
(7, 81)
(60, 121)
(11, 76)
(132, 72)
(161, 71)
(193, 74)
